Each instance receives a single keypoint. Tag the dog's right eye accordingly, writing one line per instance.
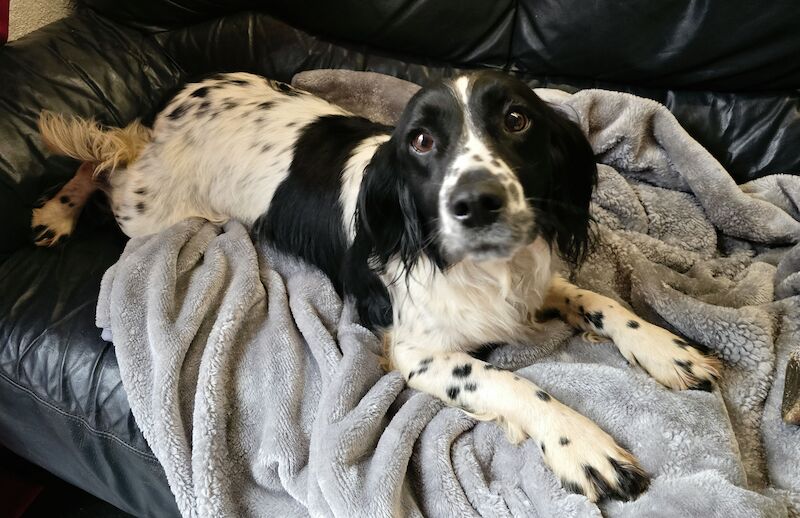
(422, 142)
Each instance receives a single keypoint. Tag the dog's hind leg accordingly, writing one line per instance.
(55, 220)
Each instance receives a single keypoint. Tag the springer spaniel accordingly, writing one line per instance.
(448, 231)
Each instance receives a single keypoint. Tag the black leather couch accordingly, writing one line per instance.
(729, 70)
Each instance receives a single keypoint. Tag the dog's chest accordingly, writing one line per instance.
(470, 304)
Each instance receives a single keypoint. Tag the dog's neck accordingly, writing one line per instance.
(470, 303)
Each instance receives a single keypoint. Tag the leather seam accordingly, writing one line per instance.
(79, 420)
(510, 50)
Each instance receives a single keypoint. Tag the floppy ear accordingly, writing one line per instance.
(387, 226)
(574, 178)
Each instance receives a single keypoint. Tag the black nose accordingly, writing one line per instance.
(477, 199)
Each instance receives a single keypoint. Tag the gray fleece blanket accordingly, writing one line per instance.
(261, 396)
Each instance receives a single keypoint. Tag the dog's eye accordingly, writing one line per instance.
(516, 121)
(422, 142)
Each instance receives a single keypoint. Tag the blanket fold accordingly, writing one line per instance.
(261, 395)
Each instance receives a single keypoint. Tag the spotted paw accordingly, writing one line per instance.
(671, 361)
(589, 462)
(53, 222)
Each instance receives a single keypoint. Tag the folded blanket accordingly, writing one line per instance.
(262, 396)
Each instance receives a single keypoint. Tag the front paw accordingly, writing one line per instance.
(589, 462)
(673, 362)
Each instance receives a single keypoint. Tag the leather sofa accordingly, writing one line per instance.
(728, 70)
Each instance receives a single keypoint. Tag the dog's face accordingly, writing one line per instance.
(477, 167)
(488, 167)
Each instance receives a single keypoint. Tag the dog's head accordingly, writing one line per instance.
(477, 168)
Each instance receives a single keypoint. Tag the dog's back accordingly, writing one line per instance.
(221, 149)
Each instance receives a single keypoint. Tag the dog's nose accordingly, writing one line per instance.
(477, 199)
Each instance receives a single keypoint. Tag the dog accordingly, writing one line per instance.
(450, 231)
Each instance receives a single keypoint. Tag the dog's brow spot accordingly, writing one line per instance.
(140, 207)
(495, 162)
(452, 392)
(141, 191)
(476, 157)
(462, 371)
(71, 205)
(633, 324)
(564, 441)
(471, 387)
(544, 396)
(64, 199)
(516, 378)
(580, 295)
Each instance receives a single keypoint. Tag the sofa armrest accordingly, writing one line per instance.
(83, 65)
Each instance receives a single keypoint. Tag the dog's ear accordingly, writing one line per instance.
(574, 178)
(387, 226)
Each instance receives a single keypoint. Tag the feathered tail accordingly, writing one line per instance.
(86, 140)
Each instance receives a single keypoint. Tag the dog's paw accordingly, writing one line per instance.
(53, 222)
(588, 461)
(673, 362)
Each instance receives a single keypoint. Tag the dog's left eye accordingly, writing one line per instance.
(516, 121)
(422, 142)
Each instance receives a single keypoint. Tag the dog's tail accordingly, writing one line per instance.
(86, 140)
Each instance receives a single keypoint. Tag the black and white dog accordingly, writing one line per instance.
(449, 231)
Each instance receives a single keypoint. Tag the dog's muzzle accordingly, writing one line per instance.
(478, 199)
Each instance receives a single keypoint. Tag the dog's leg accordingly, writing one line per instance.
(584, 457)
(664, 356)
(56, 219)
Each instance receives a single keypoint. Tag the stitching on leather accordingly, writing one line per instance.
(80, 420)
(510, 50)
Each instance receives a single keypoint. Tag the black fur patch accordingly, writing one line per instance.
(631, 480)
(544, 396)
(595, 318)
(462, 371)
(547, 314)
(178, 112)
(453, 392)
(266, 105)
(305, 216)
(470, 387)
(64, 199)
(201, 92)
(704, 385)
(140, 207)
(633, 324)
(564, 441)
